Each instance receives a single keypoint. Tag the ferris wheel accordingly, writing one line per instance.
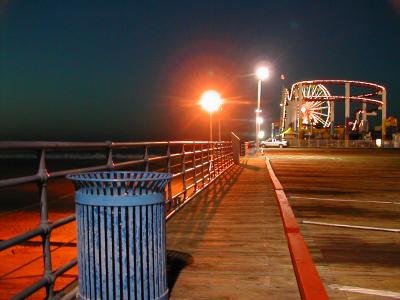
(316, 109)
(309, 104)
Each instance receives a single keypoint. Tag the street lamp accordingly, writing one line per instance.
(211, 101)
(262, 74)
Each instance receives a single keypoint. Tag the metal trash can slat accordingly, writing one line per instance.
(121, 235)
(110, 270)
(90, 252)
(131, 235)
(115, 254)
(103, 246)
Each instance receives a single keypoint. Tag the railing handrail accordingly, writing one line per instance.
(36, 145)
(200, 163)
(32, 145)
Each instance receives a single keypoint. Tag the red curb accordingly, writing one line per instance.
(308, 279)
(277, 185)
(281, 197)
(310, 284)
(290, 224)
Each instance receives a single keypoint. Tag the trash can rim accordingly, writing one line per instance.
(81, 176)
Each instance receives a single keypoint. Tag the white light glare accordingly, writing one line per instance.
(211, 101)
(378, 143)
(261, 134)
(262, 73)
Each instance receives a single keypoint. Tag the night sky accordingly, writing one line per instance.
(130, 70)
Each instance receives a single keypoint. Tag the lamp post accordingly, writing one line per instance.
(262, 74)
(211, 101)
(219, 124)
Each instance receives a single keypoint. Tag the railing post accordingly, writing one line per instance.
(194, 167)
(202, 166)
(146, 157)
(217, 160)
(184, 172)
(44, 222)
(223, 159)
(231, 152)
(209, 158)
(230, 155)
(235, 148)
(213, 161)
(110, 163)
(228, 151)
(169, 171)
(221, 155)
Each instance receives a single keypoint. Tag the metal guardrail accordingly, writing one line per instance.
(193, 165)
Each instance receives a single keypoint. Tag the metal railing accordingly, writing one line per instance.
(193, 165)
(320, 143)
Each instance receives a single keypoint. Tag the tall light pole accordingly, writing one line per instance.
(211, 101)
(219, 123)
(262, 73)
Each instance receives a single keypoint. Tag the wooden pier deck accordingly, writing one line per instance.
(229, 242)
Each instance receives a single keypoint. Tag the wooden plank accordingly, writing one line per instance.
(234, 238)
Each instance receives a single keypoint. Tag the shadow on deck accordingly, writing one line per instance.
(229, 242)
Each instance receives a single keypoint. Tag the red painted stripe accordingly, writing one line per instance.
(308, 280)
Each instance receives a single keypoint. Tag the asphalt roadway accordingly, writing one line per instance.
(347, 203)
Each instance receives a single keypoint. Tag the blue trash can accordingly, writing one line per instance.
(120, 220)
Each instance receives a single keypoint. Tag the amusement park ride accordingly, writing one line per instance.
(310, 106)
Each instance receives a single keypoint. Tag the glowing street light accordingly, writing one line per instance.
(262, 74)
(261, 134)
(259, 120)
(211, 101)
